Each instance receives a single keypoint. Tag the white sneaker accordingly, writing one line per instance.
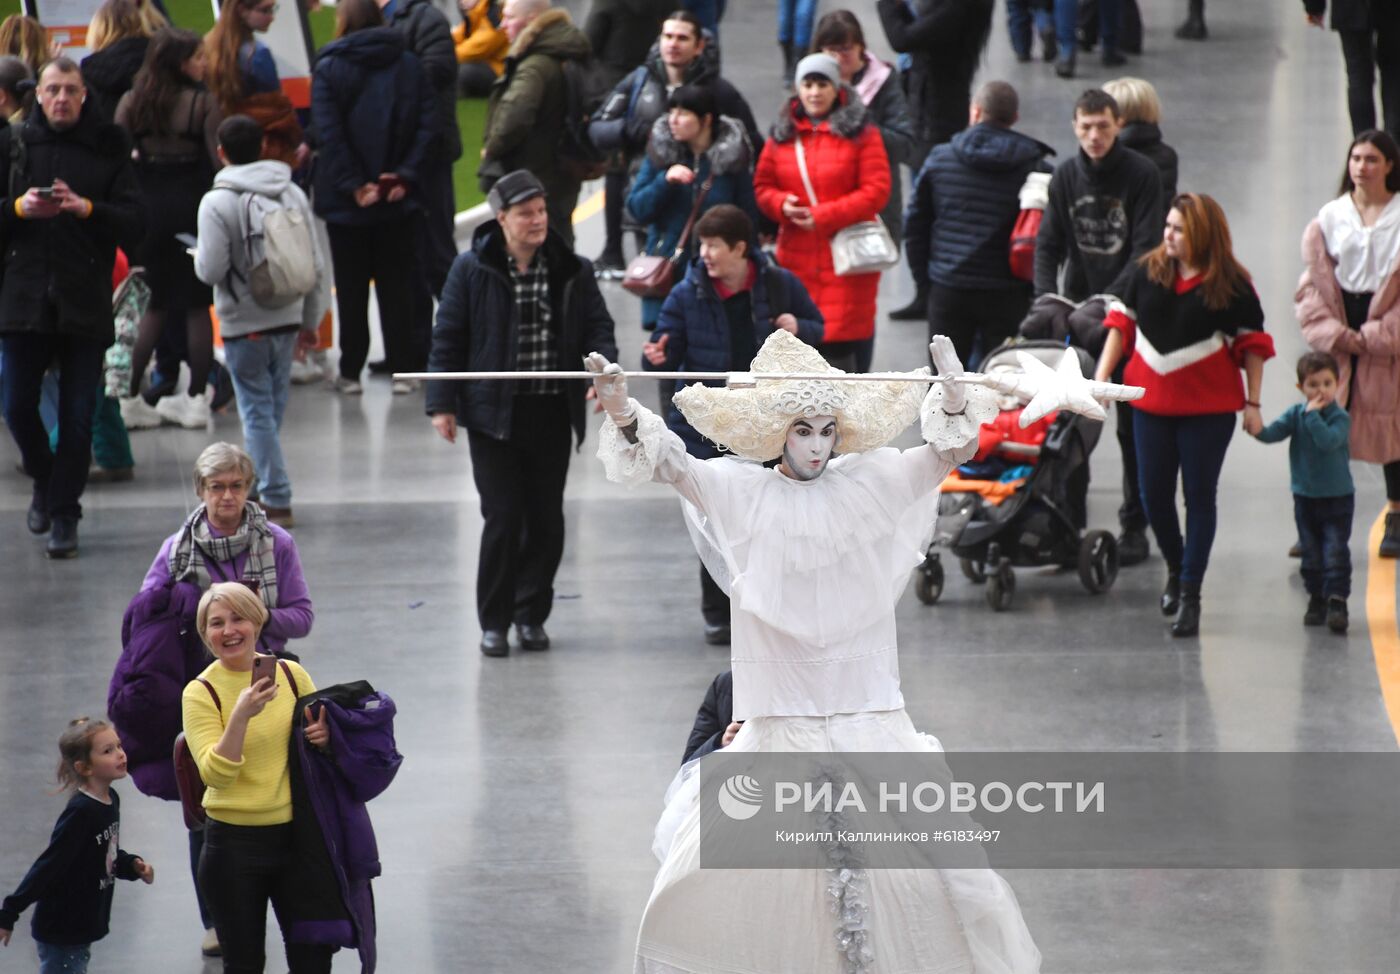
(305, 372)
(191, 412)
(137, 414)
(346, 387)
(403, 387)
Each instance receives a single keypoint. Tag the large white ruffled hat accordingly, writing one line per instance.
(753, 423)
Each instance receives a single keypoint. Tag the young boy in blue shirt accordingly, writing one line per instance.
(1323, 496)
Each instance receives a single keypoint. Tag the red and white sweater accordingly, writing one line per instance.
(1187, 356)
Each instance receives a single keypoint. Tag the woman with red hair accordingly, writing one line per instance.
(1190, 320)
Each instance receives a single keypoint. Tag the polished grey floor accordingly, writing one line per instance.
(517, 836)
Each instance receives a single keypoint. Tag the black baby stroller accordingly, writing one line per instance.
(1038, 524)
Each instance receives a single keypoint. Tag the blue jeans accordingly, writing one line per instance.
(63, 958)
(1191, 448)
(795, 21)
(261, 369)
(1324, 535)
(1020, 17)
(59, 475)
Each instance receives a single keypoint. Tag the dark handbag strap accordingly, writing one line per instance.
(684, 238)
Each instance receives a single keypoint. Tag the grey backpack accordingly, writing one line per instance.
(280, 249)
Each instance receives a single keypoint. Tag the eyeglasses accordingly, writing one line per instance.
(215, 487)
(53, 91)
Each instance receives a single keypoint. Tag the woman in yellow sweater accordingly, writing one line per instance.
(240, 735)
(481, 47)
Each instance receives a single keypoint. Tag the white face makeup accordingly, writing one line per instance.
(808, 447)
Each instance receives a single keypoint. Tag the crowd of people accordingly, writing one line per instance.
(762, 247)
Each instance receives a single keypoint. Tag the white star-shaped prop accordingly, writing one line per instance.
(1046, 390)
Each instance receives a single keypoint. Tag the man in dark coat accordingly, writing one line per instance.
(622, 31)
(958, 226)
(1105, 211)
(519, 300)
(943, 40)
(1370, 35)
(716, 320)
(682, 55)
(70, 200)
(428, 37)
(526, 110)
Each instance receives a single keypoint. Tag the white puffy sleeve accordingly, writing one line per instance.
(954, 437)
(951, 438)
(657, 455)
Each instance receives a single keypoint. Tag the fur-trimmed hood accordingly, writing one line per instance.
(729, 153)
(553, 33)
(846, 120)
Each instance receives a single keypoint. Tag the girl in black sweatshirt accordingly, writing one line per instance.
(72, 881)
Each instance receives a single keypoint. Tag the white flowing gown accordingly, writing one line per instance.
(814, 570)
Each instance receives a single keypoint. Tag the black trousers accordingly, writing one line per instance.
(521, 484)
(384, 253)
(59, 477)
(241, 869)
(1366, 52)
(714, 604)
(964, 315)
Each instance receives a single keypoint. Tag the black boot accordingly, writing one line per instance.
(1171, 594)
(63, 538)
(1390, 541)
(1316, 614)
(1188, 617)
(915, 310)
(1194, 27)
(1337, 614)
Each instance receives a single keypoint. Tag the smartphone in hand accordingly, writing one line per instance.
(44, 192)
(387, 182)
(249, 581)
(264, 667)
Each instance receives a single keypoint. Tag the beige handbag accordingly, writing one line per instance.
(861, 248)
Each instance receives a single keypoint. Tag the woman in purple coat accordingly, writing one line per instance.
(227, 538)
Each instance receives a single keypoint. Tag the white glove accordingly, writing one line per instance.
(946, 361)
(610, 385)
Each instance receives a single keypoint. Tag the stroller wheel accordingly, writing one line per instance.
(974, 571)
(928, 583)
(1098, 561)
(1001, 588)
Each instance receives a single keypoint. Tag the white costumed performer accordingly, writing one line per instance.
(814, 555)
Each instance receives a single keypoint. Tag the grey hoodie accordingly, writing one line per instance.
(221, 248)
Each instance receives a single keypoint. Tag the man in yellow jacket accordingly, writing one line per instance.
(481, 47)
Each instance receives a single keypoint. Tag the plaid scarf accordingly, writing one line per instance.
(196, 546)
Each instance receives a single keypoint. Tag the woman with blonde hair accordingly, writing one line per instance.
(1140, 111)
(240, 734)
(1189, 319)
(118, 36)
(26, 39)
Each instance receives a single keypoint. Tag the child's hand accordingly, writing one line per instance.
(4, 937)
(145, 870)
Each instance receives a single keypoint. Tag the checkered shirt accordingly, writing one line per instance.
(535, 351)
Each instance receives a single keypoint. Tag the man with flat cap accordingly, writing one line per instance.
(518, 300)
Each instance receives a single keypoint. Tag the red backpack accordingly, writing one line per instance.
(1035, 194)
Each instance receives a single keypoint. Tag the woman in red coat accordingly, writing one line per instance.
(850, 177)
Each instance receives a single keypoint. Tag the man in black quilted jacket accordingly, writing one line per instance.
(958, 224)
